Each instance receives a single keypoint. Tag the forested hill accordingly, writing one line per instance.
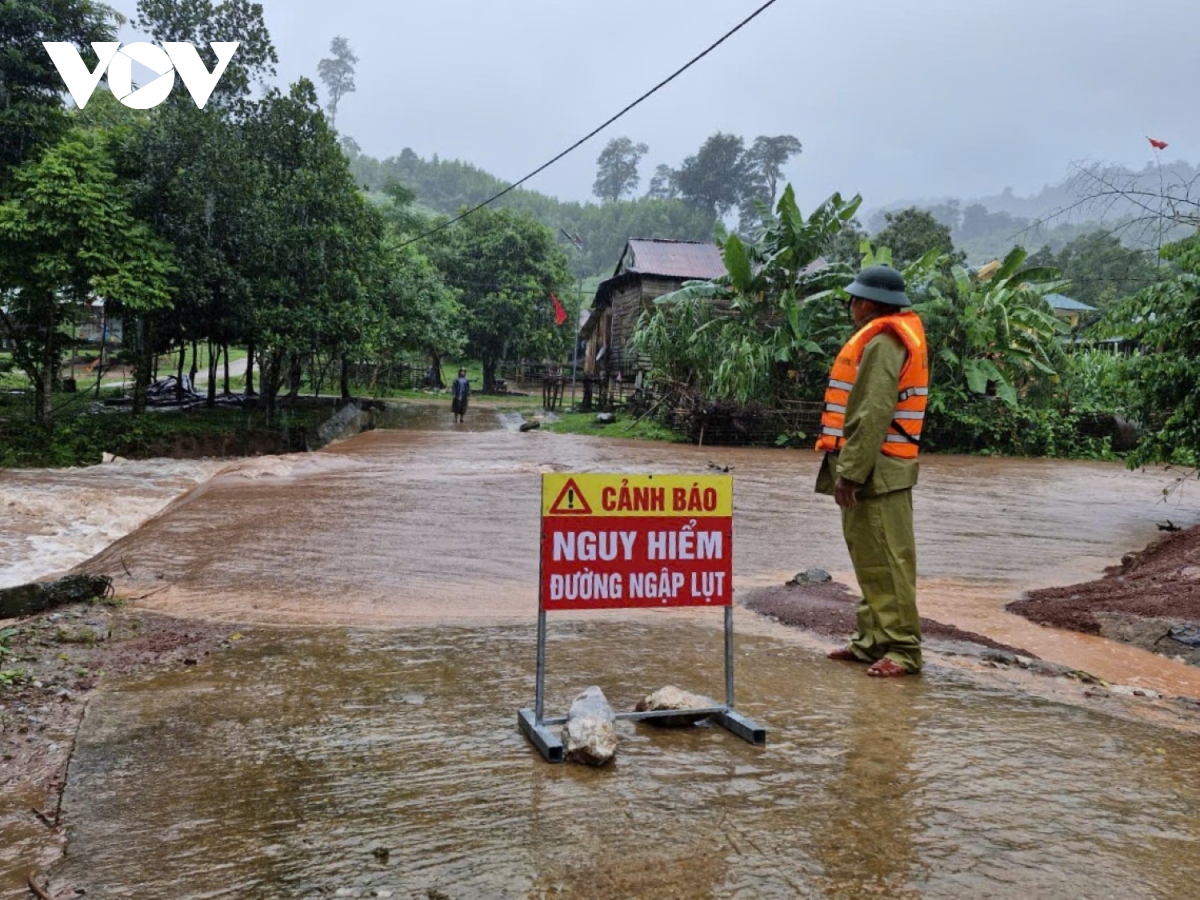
(1110, 199)
(445, 186)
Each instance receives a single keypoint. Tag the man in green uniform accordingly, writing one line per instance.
(874, 489)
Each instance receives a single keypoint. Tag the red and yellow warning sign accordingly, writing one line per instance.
(618, 541)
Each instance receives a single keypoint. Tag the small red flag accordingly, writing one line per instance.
(560, 314)
(1157, 145)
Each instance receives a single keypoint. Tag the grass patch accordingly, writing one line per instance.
(623, 427)
(80, 435)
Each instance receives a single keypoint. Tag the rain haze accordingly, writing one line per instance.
(898, 101)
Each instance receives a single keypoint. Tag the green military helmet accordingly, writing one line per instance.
(883, 284)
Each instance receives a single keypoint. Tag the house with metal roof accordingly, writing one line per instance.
(1074, 312)
(648, 269)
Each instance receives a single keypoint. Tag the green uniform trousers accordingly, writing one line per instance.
(879, 536)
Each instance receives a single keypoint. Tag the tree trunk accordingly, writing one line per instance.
(435, 366)
(44, 392)
(295, 376)
(144, 359)
(195, 365)
(179, 371)
(345, 379)
(272, 380)
(249, 390)
(214, 357)
(225, 352)
(489, 375)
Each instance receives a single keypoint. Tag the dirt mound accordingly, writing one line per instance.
(828, 610)
(1162, 581)
(1151, 599)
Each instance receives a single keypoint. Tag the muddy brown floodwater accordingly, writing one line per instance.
(377, 754)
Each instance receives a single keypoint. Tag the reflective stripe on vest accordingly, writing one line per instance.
(904, 433)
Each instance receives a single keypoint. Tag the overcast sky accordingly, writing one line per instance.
(896, 99)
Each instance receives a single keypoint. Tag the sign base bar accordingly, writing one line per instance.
(551, 748)
(744, 728)
(547, 742)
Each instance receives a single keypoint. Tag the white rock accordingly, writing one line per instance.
(590, 734)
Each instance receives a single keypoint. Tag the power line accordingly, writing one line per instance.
(591, 134)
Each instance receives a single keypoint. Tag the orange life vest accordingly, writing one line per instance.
(904, 435)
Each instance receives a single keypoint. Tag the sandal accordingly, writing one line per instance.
(886, 668)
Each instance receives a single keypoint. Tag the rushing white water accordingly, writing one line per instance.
(52, 520)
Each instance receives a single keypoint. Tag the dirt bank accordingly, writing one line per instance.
(827, 610)
(1152, 600)
(52, 663)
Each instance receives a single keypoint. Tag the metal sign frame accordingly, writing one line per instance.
(535, 724)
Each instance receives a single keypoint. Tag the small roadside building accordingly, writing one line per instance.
(1074, 312)
(648, 269)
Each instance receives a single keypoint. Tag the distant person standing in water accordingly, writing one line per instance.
(461, 390)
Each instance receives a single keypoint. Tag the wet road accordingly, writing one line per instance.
(374, 764)
(408, 527)
(277, 770)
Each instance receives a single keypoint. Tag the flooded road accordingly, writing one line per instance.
(388, 764)
(51, 521)
(377, 754)
(409, 527)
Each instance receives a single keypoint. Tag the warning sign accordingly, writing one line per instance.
(617, 541)
(570, 501)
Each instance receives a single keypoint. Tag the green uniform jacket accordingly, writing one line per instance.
(869, 412)
(879, 529)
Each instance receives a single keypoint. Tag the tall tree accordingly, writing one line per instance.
(67, 233)
(315, 241)
(617, 169)
(665, 183)
(32, 114)
(337, 74)
(505, 267)
(713, 179)
(1161, 319)
(200, 21)
(911, 233)
(1101, 270)
(763, 163)
(766, 158)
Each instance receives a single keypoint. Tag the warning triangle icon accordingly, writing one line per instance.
(571, 501)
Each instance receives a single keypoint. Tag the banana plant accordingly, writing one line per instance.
(732, 334)
(993, 330)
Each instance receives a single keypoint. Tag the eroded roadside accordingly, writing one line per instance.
(50, 667)
(824, 615)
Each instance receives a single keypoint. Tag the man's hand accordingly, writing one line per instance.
(845, 492)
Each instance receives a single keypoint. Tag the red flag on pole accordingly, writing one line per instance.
(560, 314)
(1157, 145)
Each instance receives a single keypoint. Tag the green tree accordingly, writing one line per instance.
(1162, 319)
(665, 183)
(314, 245)
(67, 232)
(764, 162)
(505, 266)
(617, 169)
(911, 233)
(713, 179)
(199, 21)
(32, 115)
(846, 246)
(1100, 269)
(989, 332)
(337, 74)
